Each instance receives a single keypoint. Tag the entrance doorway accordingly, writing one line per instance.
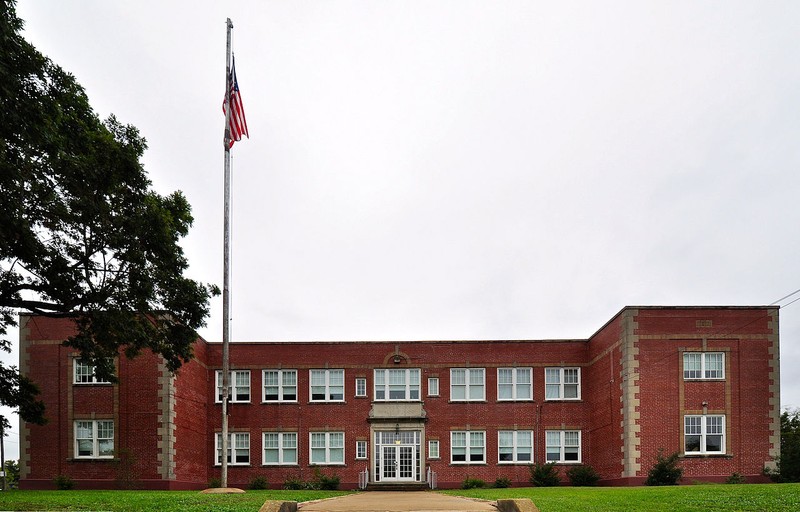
(398, 456)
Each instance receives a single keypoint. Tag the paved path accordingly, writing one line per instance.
(377, 501)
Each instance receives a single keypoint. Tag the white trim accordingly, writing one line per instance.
(704, 370)
(89, 373)
(232, 448)
(703, 430)
(431, 444)
(564, 436)
(468, 385)
(93, 436)
(361, 449)
(560, 385)
(329, 450)
(282, 448)
(235, 389)
(327, 385)
(282, 386)
(515, 384)
(433, 386)
(361, 387)
(383, 386)
(470, 443)
(517, 436)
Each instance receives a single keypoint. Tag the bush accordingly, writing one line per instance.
(502, 482)
(258, 483)
(473, 483)
(665, 471)
(294, 484)
(324, 482)
(545, 475)
(736, 478)
(214, 483)
(64, 483)
(582, 476)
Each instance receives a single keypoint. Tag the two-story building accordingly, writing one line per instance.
(700, 381)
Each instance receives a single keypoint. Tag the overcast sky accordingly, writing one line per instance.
(464, 170)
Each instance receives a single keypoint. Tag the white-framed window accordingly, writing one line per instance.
(327, 448)
(703, 365)
(84, 374)
(239, 383)
(562, 383)
(433, 448)
(327, 385)
(280, 448)
(514, 446)
(467, 384)
(397, 384)
(433, 386)
(361, 449)
(279, 385)
(704, 434)
(94, 439)
(514, 384)
(467, 446)
(238, 448)
(563, 445)
(361, 387)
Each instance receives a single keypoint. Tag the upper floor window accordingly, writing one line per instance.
(280, 448)
(515, 446)
(327, 385)
(280, 385)
(562, 383)
(361, 386)
(239, 386)
(238, 448)
(467, 384)
(433, 386)
(467, 446)
(704, 434)
(397, 384)
(514, 384)
(84, 374)
(703, 365)
(563, 445)
(94, 439)
(327, 448)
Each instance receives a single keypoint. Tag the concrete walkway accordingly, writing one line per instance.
(377, 501)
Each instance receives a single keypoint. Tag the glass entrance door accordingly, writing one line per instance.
(398, 456)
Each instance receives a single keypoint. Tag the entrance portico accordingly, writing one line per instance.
(397, 433)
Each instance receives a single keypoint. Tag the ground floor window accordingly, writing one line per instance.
(361, 449)
(704, 434)
(467, 446)
(280, 448)
(94, 439)
(238, 448)
(563, 445)
(433, 449)
(515, 446)
(327, 448)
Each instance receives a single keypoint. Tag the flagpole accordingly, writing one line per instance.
(226, 297)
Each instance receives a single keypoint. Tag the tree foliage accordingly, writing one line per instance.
(82, 234)
(789, 461)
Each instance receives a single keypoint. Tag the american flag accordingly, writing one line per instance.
(237, 124)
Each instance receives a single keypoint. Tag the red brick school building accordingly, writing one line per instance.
(700, 381)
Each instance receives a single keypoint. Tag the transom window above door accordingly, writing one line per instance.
(397, 384)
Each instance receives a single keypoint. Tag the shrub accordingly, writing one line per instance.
(582, 476)
(214, 483)
(545, 475)
(64, 483)
(502, 482)
(294, 484)
(736, 478)
(324, 482)
(258, 483)
(665, 471)
(473, 483)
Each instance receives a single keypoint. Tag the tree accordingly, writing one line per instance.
(82, 234)
(789, 461)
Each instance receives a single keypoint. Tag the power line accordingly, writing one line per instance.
(782, 298)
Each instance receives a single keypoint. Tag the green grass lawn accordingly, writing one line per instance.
(767, 498)
(755, 497)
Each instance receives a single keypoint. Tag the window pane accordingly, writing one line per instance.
(505, 392)
(290, 456)
(433, 386)
(504, 375)
(337, 455)
(570, 391)
(271, 378)
(458, 376)
(318, 455)
(552, 376)
(714, 443)
(570, 454)
(476, 376)
(270, 440)
(692, 443)
(476, 392)
(85, 448)
(289, 378)
(552, 391)
(571, 375)
(271, 456)
(691, 365)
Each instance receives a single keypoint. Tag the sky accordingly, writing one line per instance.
(463, 169)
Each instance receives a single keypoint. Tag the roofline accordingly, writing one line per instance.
(626, 308)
